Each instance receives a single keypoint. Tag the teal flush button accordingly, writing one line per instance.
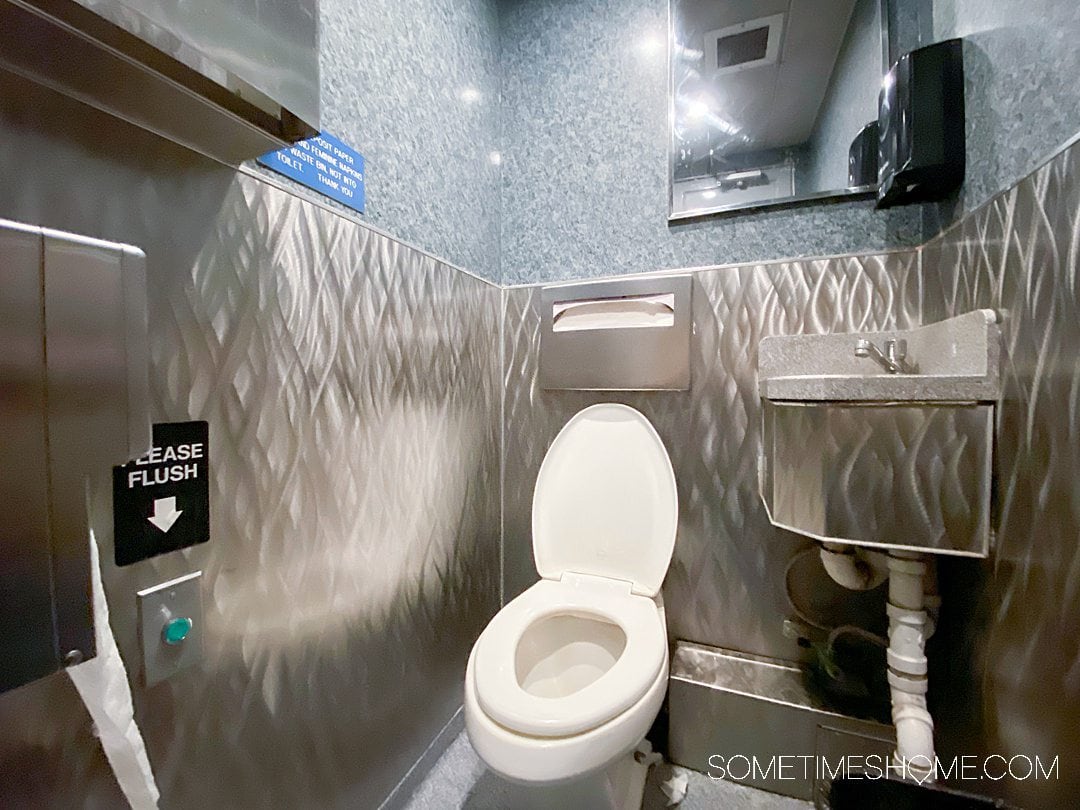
(176, 630)
(169, 634)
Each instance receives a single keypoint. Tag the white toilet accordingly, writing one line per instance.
(566, 680)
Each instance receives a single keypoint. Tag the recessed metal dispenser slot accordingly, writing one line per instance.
(619, 335)
(883, 440)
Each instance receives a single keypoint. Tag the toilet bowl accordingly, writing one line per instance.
(568, 677)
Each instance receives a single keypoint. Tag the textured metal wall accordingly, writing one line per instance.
(351, 386)
(910, 477)
(724, 586)
(1006, 659)
(1012, 625)
(342, 372)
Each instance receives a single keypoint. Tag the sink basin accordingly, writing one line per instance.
(956, 360)
(853, 454)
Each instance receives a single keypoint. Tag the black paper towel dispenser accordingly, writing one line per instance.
(921, 126)
(863, 157)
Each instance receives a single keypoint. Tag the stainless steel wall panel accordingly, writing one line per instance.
(724, 586)
(1006, 653)
(350, 387)
(729, 705)
(28, 643)
(351, 384)
(1012, 633)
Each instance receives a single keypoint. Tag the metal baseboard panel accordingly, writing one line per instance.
(726, 705)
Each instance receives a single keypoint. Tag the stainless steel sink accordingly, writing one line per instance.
(881, 444)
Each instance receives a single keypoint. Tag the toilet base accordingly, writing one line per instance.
(625, 778)
(620, 786)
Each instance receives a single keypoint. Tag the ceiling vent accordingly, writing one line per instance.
(745, 45)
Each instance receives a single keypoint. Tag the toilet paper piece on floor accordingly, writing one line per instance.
(103, 686)
(675, 787)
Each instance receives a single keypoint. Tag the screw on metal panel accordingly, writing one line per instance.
(72, 658)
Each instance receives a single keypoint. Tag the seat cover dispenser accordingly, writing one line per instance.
(605, 502)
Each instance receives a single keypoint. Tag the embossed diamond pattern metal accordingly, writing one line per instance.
(353, 390)
(351, 387)
(1006, 654)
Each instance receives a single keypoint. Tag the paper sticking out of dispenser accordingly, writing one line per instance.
(102, 684)
(631, 312)
(617, 335)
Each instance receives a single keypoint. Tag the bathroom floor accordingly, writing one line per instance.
(460, 780)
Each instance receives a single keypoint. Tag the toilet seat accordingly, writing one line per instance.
(605, 501)
(534, 760)
(505, 701)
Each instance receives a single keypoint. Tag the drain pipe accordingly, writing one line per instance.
(909, 627)
(857, 569)
(912, 610)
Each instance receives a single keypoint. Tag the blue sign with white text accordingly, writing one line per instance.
(324, 164)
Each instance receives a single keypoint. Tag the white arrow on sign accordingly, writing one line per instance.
(165, 513)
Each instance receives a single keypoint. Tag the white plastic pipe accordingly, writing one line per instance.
(906, 655)
(854, 568)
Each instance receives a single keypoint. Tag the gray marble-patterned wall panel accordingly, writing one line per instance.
(1020, 64)
(585, 157)
(585, 143)
(415, 88)
(351, 384)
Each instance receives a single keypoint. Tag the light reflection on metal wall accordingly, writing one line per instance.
(1015, 621)
(328, 704)
(916, 476)
(348, 384)
(351, 386)
(724, 586)
(1006, 657)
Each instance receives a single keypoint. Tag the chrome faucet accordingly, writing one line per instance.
(892, 359)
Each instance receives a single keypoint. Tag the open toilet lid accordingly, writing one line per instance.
(605, 502)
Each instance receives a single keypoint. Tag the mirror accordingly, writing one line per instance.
(773, 101)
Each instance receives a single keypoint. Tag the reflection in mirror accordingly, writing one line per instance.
(773, 101)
